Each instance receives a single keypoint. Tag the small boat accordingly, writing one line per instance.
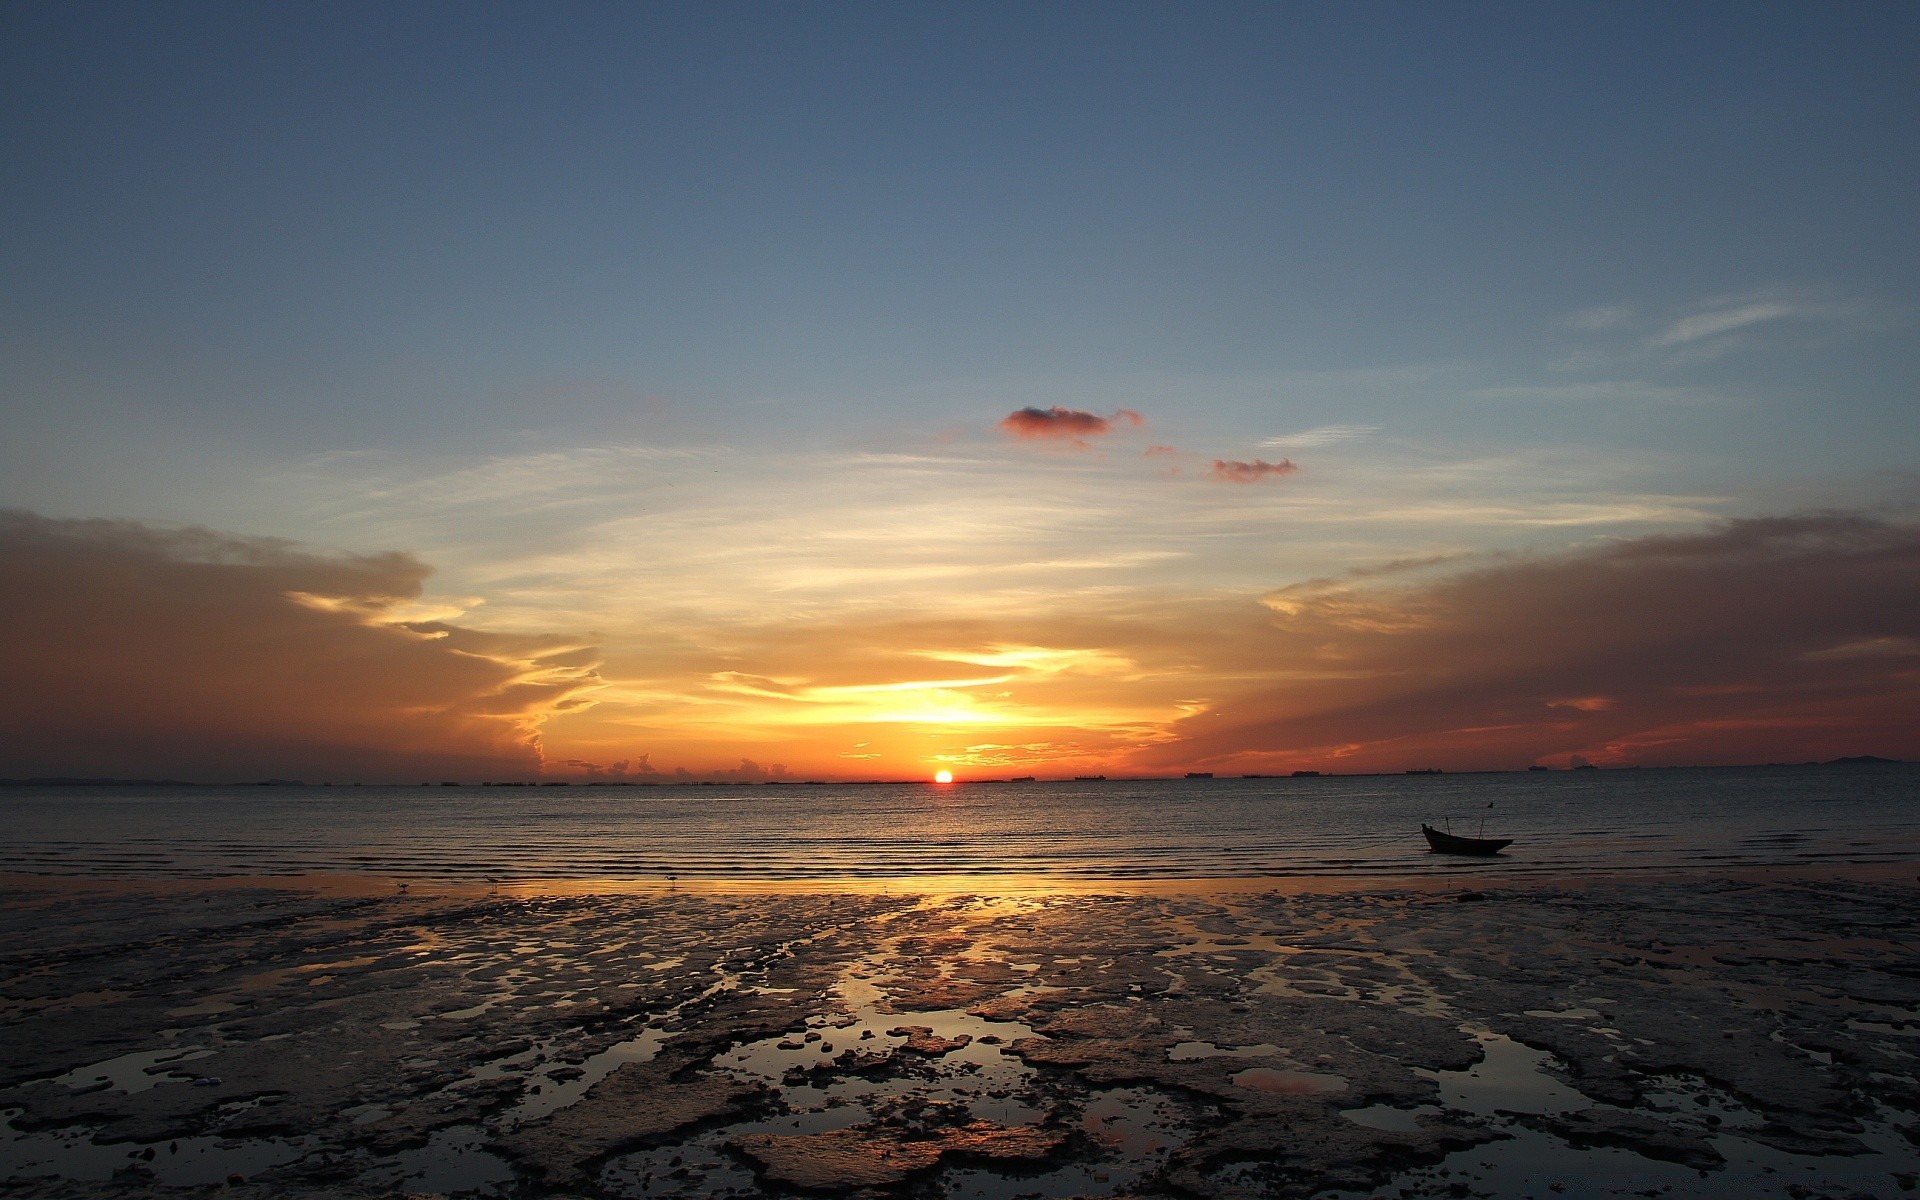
(1447, 843)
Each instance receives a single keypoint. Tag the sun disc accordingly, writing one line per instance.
(943, 776)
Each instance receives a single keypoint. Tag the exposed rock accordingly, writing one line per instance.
(921, 1040)
(635, 1103)
(844, 1159)
(1643, 1135)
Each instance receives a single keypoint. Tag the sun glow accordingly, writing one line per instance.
(943, 776)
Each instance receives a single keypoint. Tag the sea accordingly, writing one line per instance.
(1564, 824)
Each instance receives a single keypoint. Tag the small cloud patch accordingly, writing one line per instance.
(1230, 471)
(1591, 704)
(1066, 424)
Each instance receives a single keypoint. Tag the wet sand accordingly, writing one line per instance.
(1703, 1036)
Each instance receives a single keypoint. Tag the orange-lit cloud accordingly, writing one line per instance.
(1229, 471)
(135, 651)
(1763, 640)
(1066, 424)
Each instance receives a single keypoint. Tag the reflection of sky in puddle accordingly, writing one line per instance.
(977, 1074)
(452, 1161)
(71, 1153)
(548, 1094)
(1387, 1117)
(1512, 1080)
(700, 1167)
(1187, 1051)
(1128, 1129)
(1509, 1078)
(1132, 1130)
(555, 1085)
(134, 1072)
(1287, 1083)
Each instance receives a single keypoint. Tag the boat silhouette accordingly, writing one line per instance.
(1448, 843)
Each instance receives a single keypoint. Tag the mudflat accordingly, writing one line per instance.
(1705, 1037)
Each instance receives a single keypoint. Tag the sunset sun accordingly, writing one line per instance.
(943, 776)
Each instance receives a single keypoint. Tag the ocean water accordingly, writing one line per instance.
(1563, 823)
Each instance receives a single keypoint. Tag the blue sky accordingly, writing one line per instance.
(629, 317)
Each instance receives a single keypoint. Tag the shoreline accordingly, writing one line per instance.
(1448, 875)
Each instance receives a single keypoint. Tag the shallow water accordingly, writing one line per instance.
(1563, 823)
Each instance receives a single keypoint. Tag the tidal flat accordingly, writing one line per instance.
(1704, 1037)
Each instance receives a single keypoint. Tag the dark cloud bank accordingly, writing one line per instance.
(134, 651)
(1780, 639)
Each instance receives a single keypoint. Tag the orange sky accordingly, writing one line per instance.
(142, 652)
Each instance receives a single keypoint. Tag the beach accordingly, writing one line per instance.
(1712, 1034)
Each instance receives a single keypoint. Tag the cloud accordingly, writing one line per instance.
(1724, 319)
(1584, 703)
(1599, 317)
(1711, 326)
(1227, 471)
(1603, 391)
(637, 768)
(131, 650)
(1758, 640)
(1066, 424)
(748, 771)
(1321, 435)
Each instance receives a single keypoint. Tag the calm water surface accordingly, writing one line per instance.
(1563, 823)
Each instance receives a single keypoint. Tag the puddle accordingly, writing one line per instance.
(1130, 1129)
(697, 1168)
(453, 1160)
(1387, 1117)
(1508, 1079)
(555, 1094)
(1187, 1051)
(1288, 1083)
(1533, 1162)
(71, 1153)
(133, 1072)
(202, 1161)
(819, 1071)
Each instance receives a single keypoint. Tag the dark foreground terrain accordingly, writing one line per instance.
(1710, 1038)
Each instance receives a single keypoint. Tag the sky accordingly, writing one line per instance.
(747, 391)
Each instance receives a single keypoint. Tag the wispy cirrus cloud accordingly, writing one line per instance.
(1599, 317)
(1725, 318)
(1234, 471)
(1602, 391)
(1070, 425)
(1320, 435)
(1712, 325)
